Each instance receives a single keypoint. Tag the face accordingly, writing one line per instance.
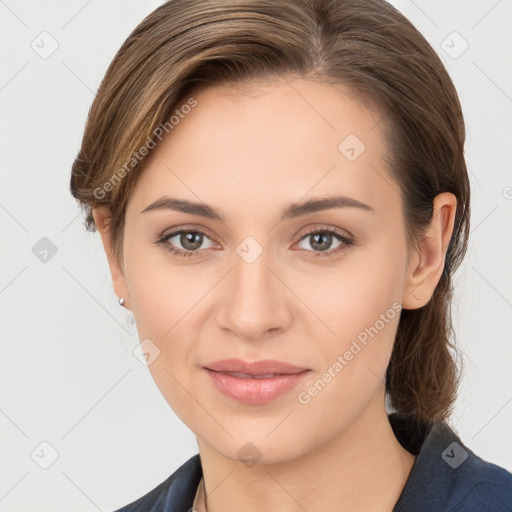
(319, 288)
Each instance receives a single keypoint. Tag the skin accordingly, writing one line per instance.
(250, 153)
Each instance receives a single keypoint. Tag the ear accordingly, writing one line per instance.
(102, 222)
(427, 262)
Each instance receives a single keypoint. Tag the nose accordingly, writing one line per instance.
(256, 302)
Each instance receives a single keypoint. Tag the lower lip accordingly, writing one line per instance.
(255, 391)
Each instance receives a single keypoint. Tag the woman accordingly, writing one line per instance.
(281, 192)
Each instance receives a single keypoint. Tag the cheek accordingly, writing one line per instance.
(359, 351)
(354, 363)
(164, 304)
(361, 308)
(151, 306)
(155, 289)
(162, 311)
(352, 299)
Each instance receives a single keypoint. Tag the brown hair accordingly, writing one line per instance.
(366, 45)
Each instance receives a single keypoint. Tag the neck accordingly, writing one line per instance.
(363, 469)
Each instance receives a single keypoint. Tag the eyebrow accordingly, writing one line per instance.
(292, 211)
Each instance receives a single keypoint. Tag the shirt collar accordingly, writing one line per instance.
(440, 473)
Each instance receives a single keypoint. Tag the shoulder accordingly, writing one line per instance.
(449, 477)
(483, 486)
(176, 493)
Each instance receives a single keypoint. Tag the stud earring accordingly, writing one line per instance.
(121, 301)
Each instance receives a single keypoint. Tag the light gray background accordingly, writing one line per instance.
(67, 373)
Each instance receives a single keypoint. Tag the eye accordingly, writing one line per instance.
(321, 239)
(189, 240)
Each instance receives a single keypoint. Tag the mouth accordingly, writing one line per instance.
(254, 383)
(246, 369)
(251, 376)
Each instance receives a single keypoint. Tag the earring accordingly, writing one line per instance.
(121, 301)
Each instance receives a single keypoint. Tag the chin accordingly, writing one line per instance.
(252, 448)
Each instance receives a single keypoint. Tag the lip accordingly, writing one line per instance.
(254, 390)
(262, 367)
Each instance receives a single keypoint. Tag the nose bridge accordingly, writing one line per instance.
(254, 302)
(252, 280)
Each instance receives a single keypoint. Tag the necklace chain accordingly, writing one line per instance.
(200, 497)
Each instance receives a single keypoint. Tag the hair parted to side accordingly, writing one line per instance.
(367, 46)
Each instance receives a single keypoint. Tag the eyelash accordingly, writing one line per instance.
(346, 242)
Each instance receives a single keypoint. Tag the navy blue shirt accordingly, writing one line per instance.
(446, 476)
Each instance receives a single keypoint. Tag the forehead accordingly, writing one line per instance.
(282, 138)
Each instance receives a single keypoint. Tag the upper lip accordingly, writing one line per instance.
(262, 367)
